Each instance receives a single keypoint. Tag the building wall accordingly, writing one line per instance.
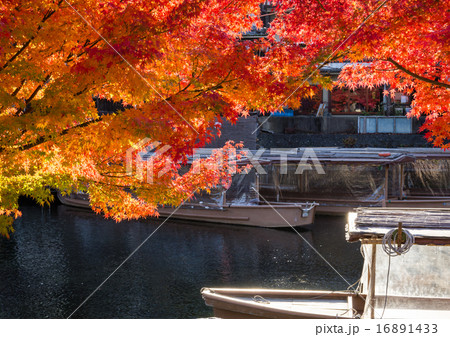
(309, 124)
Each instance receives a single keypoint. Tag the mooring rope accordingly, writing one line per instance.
(394, 247)
(260, 299)
(391, 245)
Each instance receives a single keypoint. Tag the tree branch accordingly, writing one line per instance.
(47, 16)
(35, 92)
(421, 78)
(44, 139)
(320, 4)
(19, 51)
(216, 86)
(16, 91)
(81, 92)
(38, 88)
(71, 56)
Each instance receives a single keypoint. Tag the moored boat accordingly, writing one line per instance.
(278, 215)
(406, 257)
(240, 204)
(350, 178)
(405, 274)
(268, 303)
(274, 215)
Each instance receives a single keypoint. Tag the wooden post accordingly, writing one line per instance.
(372, 280)
(224, 198)
(302, 181)
(399, 235)
(386, 185)
(369, 306)
(402, 180)
(276, 180)
(258, 182)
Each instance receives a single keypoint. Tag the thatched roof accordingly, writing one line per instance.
(325, 155)
(428, 226)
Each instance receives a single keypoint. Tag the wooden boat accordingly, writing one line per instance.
(79, 199)
(277, 215)
(428, 226)
(239, 205)
(328, 206)
(266, 303)
(414, 285)
(352, 178)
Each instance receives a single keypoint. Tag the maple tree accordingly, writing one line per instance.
(179, 67)
(402, 43)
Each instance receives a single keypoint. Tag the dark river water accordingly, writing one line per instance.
(59, 256)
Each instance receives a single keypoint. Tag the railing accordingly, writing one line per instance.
(383, 124)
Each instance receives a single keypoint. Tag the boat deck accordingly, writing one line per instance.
(265, 303)
(329, 307)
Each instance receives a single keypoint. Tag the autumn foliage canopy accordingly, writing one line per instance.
(179, 67)
(403, 44)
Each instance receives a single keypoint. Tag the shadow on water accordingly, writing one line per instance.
(58, 256)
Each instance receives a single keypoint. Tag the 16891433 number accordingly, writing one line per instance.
(407, 328)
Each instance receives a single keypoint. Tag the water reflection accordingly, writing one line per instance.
(58, 256)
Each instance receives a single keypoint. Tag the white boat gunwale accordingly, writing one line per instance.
(227, 303)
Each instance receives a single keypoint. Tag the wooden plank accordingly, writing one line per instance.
(427, 226)
(411, 218)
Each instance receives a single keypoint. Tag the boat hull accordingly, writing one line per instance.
(343, 206)
(391, 203)
(269, 216)
(282, 304)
